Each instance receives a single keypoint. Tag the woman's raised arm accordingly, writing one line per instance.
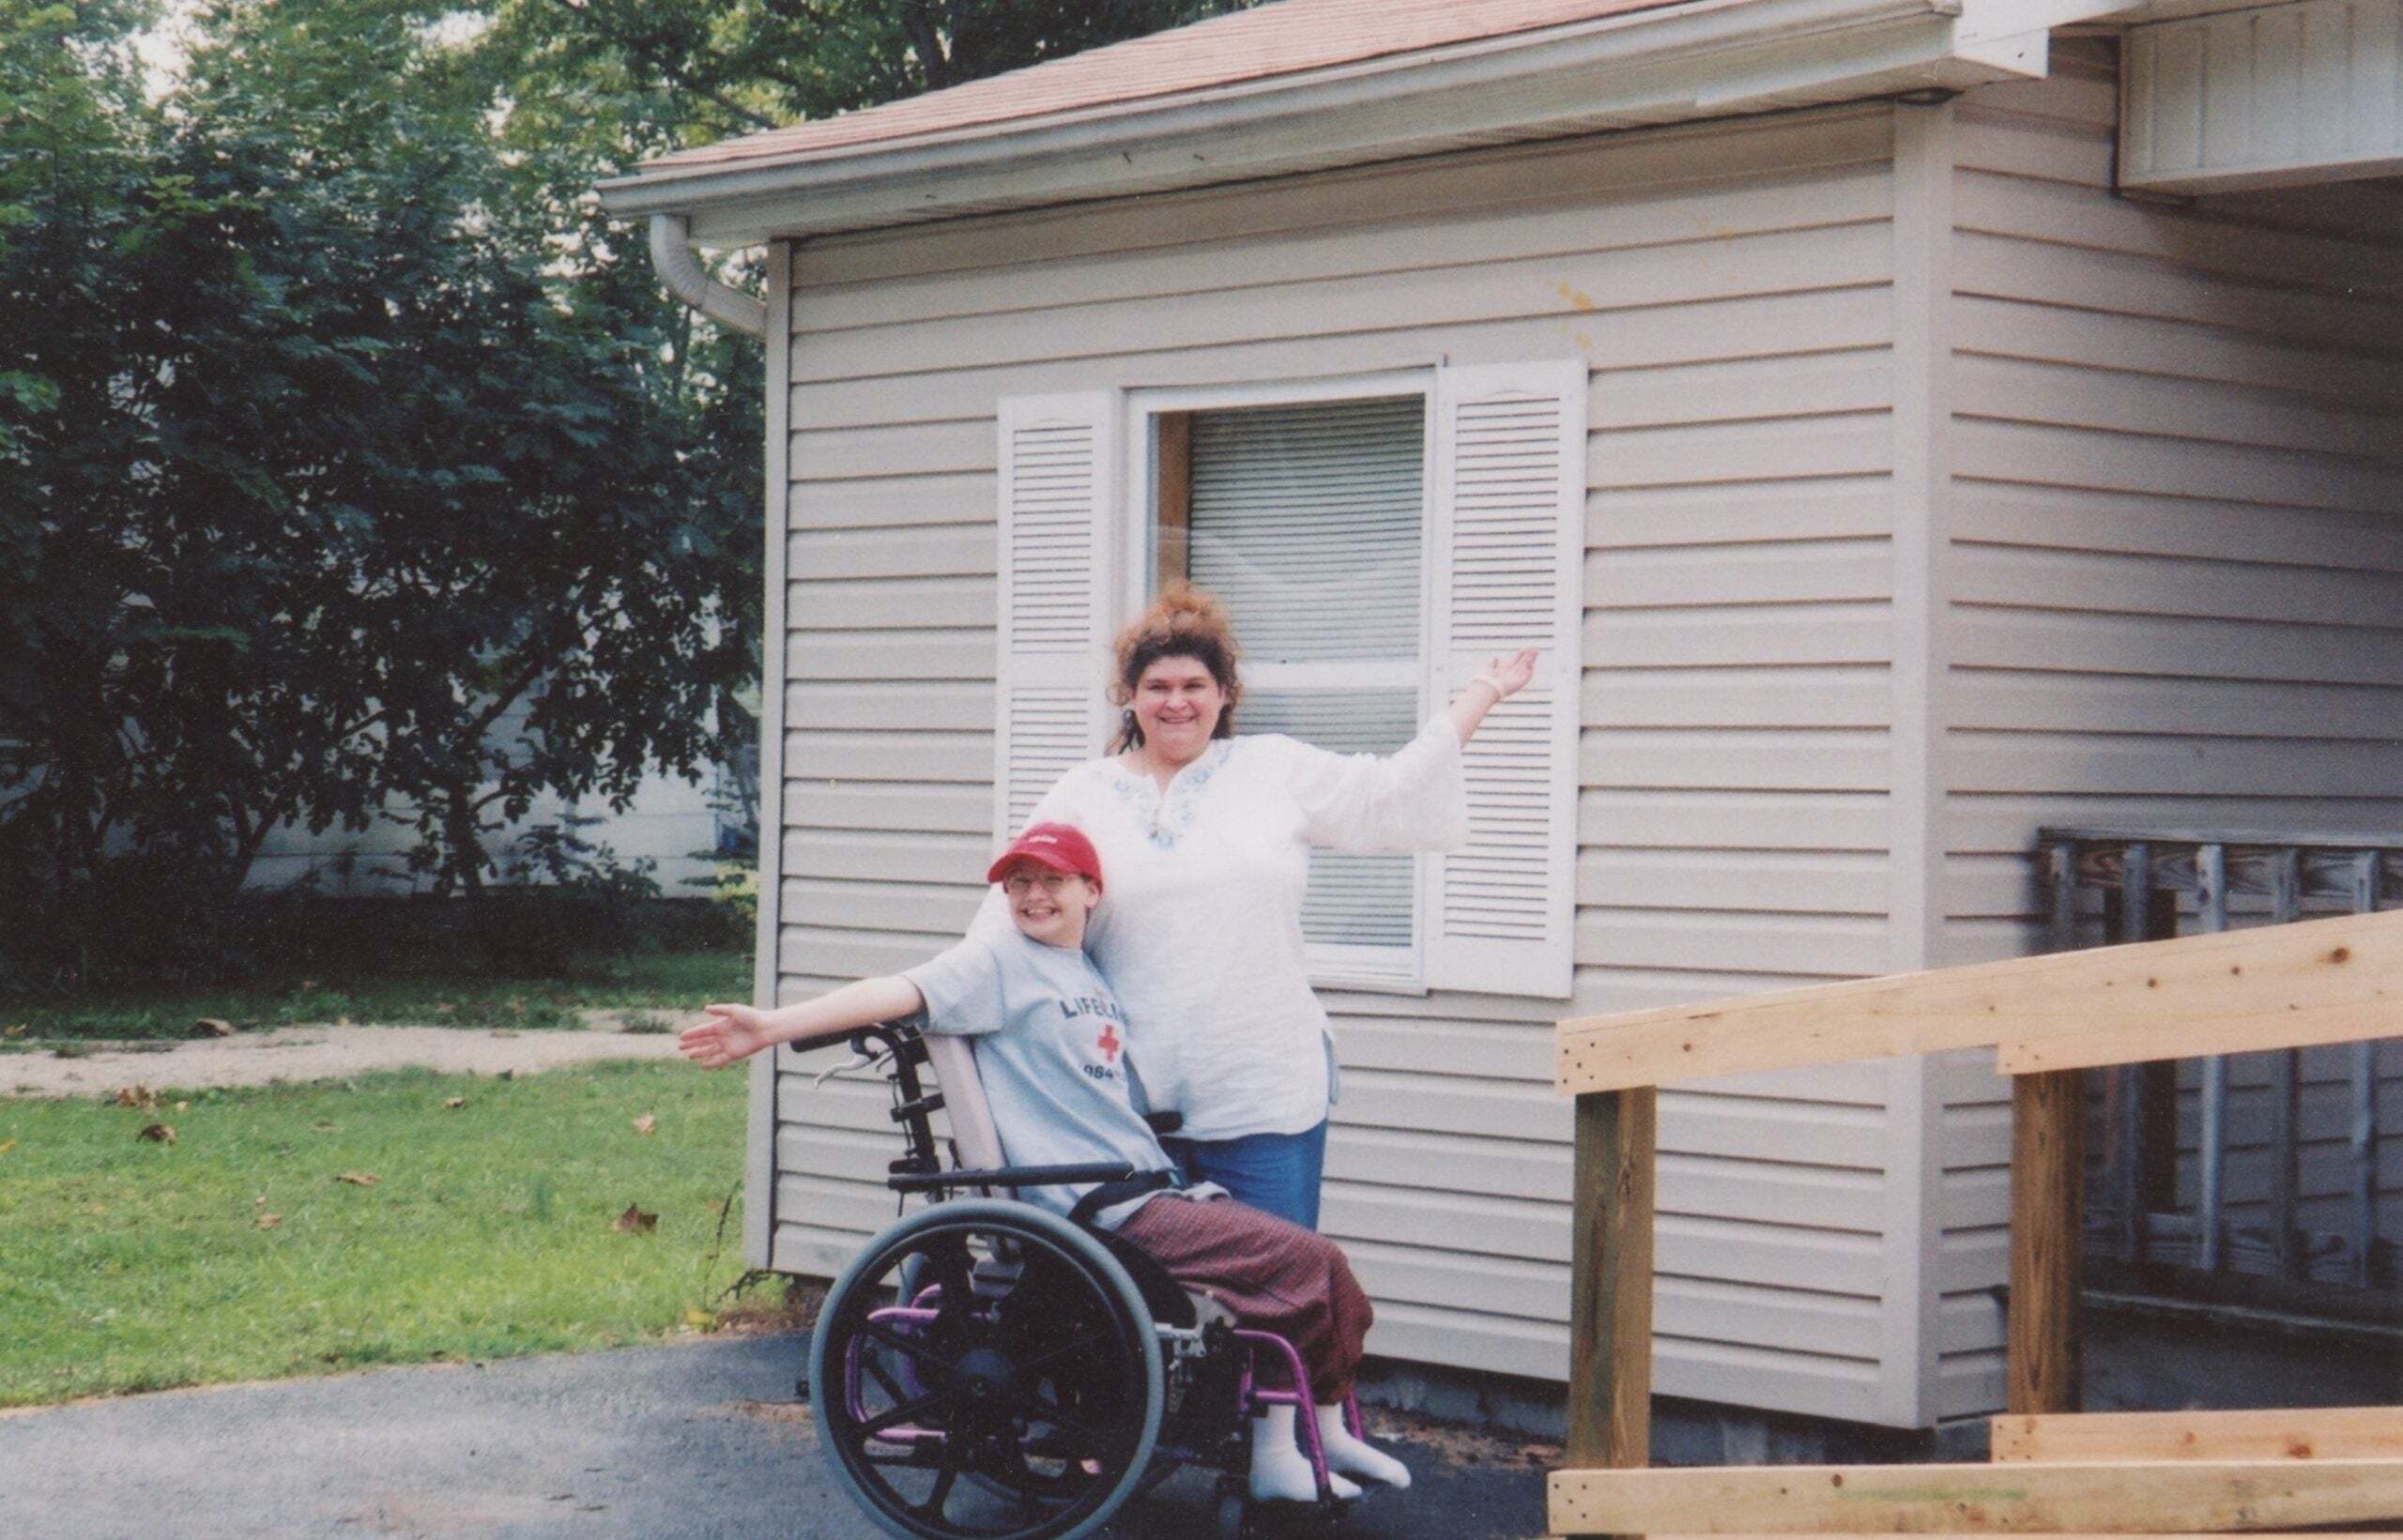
(1413, 799)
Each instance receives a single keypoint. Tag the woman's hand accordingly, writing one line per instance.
(732, 1033)
(1509, 675)
(1502, 677)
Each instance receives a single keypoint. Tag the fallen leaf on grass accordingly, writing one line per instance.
(635, 1221)
(15, 1029)
(183, 1107)
(360, 1179)
(7, 1145)
(699, 1321)
(140, 1097)
(212, 1026)
(455, 1102)
(268, 1221)
(645, 1123)
(158, 1134)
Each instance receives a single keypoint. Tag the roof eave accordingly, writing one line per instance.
(1706, 58)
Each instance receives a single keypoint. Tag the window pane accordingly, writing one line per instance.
(1306, 521)
(1354, 900)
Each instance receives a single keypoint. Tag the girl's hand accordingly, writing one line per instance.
(732, 1033)
(1509, 675)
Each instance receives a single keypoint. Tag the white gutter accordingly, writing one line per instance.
(671, 252)
(1484, 91)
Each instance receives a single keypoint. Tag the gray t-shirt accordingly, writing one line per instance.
(1051, 1050)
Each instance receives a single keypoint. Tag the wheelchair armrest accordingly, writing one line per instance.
(1013, 1176)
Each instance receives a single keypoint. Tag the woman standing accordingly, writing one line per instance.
(1206, 838)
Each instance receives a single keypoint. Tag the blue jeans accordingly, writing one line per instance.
(1275, 1172)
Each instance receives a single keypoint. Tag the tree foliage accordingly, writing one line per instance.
(349, 458)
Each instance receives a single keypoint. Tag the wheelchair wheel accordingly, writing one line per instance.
(986, 1370)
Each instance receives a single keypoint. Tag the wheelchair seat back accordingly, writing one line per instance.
(952, 1058)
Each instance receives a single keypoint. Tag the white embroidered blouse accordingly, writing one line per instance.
(1200, 927)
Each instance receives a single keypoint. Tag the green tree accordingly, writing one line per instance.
(347, 452)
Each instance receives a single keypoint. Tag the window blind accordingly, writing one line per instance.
(1309, 521)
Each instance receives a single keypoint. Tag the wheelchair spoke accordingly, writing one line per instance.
(900, 1414)
(932, 1506)
(1035, 1408)
(883, 1381)
(903, 1343)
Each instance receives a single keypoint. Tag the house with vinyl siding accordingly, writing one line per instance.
(1902, 425)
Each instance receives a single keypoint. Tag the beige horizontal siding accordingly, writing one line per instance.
(2177, 569)
(1731, 291)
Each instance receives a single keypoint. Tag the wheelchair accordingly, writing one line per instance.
(985, 1369)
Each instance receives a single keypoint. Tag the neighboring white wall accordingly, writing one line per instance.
(2177, 560)
(1731, 288)
(668, 820)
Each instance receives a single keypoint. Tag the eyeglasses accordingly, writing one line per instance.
(1020, 882)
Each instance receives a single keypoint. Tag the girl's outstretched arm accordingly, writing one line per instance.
(738, 1032)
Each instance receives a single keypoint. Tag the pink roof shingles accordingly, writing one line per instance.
(1286, 38)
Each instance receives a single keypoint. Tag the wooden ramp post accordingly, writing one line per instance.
(2047, 1172)
(1610, 1341)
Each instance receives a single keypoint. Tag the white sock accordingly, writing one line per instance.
(1352, 1457)
(1280, 1472)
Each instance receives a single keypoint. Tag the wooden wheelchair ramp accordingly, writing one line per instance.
(2054, 1472)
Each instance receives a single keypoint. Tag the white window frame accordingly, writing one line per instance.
(1361, 970)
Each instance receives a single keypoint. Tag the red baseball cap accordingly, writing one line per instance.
(1061, 847)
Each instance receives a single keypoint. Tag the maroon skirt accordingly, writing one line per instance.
(1274, 1275)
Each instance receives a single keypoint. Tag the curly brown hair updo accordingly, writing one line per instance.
(1183, 623)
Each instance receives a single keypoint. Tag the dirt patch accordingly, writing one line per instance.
(796, 1312)
(319, 1053)
(770, 1411)
(1460, 1443)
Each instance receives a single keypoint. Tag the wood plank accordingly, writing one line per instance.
(2266, 986)
(2127, 1496)
(2304, 1433)
(1610, 1317)
(2144, 1041)
(2047, 1167)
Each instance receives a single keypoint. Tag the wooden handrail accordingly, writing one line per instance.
(2272, 986)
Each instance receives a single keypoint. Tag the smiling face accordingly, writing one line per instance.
(1177, 702)
(1049, 906)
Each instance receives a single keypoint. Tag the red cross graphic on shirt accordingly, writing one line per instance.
(1109, 1041)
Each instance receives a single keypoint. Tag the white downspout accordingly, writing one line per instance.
(671, 252)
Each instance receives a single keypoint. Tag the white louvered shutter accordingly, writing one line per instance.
(1309, 521)
(1057, 535)
(1505, 539)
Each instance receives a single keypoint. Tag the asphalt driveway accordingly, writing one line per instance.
(690, 1439)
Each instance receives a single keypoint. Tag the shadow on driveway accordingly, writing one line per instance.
(698, 1439)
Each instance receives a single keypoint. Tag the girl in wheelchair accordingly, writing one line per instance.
(1052, 1393)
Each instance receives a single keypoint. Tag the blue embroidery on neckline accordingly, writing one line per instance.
(1165, 819)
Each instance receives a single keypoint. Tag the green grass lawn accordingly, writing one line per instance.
(667, 980)
(133, 1265)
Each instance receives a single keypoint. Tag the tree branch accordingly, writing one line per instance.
(674, 74)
